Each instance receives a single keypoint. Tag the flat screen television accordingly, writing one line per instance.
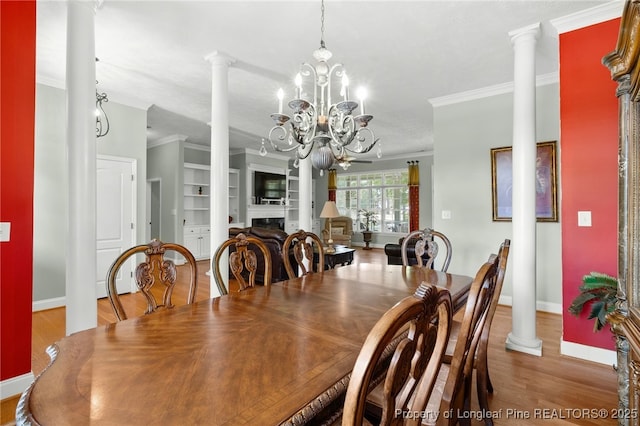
(269, 186)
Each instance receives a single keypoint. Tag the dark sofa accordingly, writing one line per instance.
(394, 253)
(273, 239)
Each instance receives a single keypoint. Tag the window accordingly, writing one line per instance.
(386, 193)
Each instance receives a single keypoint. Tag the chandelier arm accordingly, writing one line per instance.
(102, 120)
(367, 148)
(273, 135)
(308, 70)
(339, 71)
(305, 150)
(344, 133)
(303, 125)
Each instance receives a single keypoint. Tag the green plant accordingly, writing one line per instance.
(369, 216)
(600, 290)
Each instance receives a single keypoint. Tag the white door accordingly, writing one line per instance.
(115, 220)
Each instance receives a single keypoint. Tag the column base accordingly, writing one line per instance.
(531, 347)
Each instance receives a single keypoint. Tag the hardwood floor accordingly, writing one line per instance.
(529, 390)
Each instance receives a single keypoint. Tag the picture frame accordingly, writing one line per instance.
(546, 183)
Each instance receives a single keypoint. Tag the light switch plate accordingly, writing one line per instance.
(584, 218)
(446, 214)
(5, 231)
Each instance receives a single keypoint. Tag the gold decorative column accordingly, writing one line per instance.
(332, 185)
(414, 196)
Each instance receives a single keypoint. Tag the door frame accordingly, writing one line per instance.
(134, 207)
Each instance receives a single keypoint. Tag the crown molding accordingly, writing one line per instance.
(587, 17)
(269, 155)
(117, 98)
(128, 101)
(197, 146)
(166, 140)
(49, 81)
(485, 92)
(407, 156)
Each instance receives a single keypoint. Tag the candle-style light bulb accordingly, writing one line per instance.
(345, 87)
(280, 98)
(298, 82)
(362, 95)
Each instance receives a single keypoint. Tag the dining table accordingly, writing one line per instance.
(276, 355)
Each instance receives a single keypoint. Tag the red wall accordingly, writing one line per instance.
(589, 158)
(17, 116)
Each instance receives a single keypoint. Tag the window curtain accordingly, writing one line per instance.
(333, 185)
(414, 196)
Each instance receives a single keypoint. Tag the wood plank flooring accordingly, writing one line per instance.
(549, 390)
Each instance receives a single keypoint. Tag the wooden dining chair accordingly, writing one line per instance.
(156, 269)
(451, 391)
(480, 361)
(243, 262)
(417, 329)
(302, 243)
(425, 242)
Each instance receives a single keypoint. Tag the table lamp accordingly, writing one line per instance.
(329, 211)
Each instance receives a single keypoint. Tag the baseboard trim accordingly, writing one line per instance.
(552, 308)
(15, 385)
(43, 305)
(588, 353)
(372, 245)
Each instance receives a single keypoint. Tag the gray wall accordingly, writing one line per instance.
(464, 134)
(165, 163)
(126, 138)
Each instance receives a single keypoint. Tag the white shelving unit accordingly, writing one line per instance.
(197, 205)
(196, 209)
(293, 204)
(196, 194)
(234, 198)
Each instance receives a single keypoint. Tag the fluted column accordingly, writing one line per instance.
(523, 335)
(219, 195)
(81, 264)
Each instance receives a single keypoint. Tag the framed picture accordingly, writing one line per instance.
(502, 181)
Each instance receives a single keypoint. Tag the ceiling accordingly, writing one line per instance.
(405, 52)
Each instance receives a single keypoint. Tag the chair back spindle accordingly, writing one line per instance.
(302, 244)
(425, 243)
(241, 260)
(156, 269)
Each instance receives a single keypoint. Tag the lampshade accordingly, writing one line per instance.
(329, 210)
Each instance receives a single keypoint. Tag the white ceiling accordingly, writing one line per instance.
(404, 52)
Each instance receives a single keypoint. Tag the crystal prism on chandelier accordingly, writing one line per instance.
(328, 132)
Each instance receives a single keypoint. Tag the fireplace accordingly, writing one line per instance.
(268, 222)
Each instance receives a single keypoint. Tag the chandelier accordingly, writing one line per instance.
(102, 121)
(328, 132)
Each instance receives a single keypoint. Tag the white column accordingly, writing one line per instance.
(305, 186)
(81, 264)
(523, 335)
(305, 220)
(219, 195)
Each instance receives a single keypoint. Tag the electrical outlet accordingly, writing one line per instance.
(584, 218)
(5, 231)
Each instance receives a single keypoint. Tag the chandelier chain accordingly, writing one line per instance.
(322, 24)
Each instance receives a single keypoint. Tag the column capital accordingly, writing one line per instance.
(219, 58)
(525, 33)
